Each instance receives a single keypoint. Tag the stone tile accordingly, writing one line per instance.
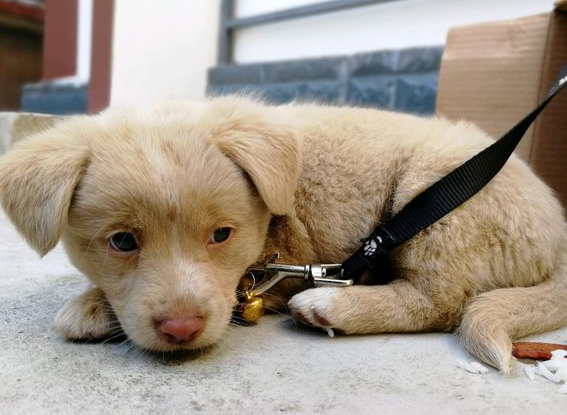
(372, 91)
(308, 69)
(374, 63)
(236, 74)
(416, 93)
(229, 89)
(419, 60)
(319, 91)
(55, 98)
(404, 80)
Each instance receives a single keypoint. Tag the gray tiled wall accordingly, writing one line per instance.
(55, 98)
(403, 80)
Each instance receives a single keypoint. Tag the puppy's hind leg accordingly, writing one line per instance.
(396, 307)
(87, 316)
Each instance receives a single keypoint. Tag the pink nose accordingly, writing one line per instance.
(180, 329)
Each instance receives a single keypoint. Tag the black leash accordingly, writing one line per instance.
(443, 196)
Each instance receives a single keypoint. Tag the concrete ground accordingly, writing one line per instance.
(274, 367)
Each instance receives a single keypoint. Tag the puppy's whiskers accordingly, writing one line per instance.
(276, 297)
(287, 316)
(117, 335)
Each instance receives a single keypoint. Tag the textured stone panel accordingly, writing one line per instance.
(402, 80)
(416, 93)
(309, 69)
(365, 64)
(372, 91)
(419, 60)
(319, 91)
(236, 74)
(54, 98)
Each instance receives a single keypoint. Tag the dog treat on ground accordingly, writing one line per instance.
(535, 350)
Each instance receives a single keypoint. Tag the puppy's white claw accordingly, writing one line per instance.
(314, 307)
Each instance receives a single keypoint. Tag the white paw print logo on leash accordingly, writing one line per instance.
(371, 246)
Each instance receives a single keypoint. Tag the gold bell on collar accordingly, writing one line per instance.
(249, 306)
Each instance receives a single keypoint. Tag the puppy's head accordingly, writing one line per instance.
(163, 210)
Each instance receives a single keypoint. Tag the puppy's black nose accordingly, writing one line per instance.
(180, 329)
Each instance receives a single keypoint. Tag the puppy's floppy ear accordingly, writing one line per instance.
(266, 148)
(37, 180)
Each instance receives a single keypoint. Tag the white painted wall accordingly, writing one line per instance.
(161, 50)
(398, 24)
(84, 40)
(252, 7)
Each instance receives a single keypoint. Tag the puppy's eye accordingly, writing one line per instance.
(123, 242)
(220, 235)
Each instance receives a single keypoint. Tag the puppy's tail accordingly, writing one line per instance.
(493, 320)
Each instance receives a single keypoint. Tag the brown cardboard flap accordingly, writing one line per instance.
(495, 73)
(490, 74)
(549, 150)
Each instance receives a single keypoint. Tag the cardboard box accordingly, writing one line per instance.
(494, 73)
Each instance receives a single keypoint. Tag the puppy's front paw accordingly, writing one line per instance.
(88, 316)
(317, 307)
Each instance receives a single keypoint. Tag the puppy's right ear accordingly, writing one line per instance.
(264, 145)
(37, 180)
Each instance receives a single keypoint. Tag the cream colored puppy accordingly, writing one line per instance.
(165, 209)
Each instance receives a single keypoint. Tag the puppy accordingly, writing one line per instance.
(165, 209)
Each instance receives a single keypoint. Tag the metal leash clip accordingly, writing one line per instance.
(250, 304)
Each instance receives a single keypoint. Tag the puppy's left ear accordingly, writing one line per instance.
(266, 148)
(37, 180)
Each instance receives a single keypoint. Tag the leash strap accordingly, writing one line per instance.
(443, 196)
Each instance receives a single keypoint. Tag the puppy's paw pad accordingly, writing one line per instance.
(87, 316)
(313, 307)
